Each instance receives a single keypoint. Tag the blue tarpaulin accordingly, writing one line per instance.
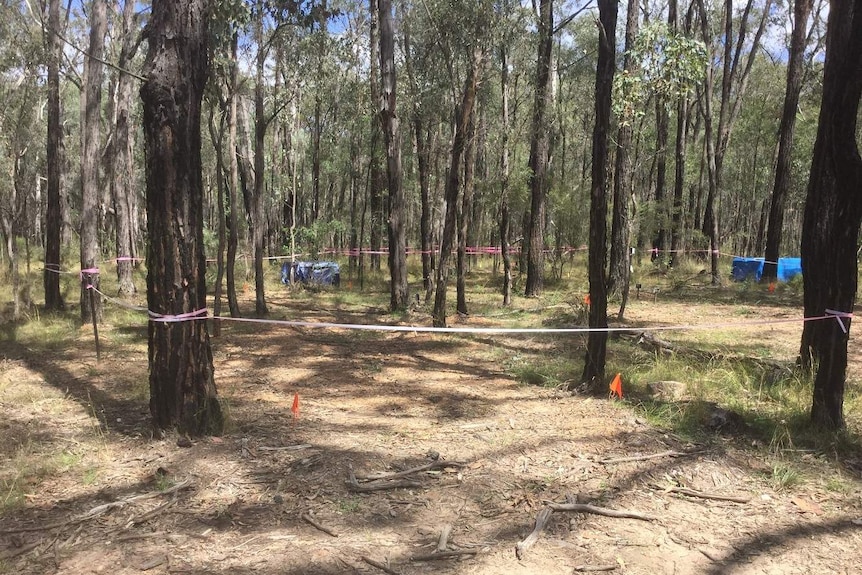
(752, 268)
(318, 273)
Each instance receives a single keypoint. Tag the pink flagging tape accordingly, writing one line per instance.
(203, 314)
(188, 316)
(839, 315)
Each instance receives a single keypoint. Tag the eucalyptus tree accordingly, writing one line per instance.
(738, 53)
(20, 155)
(833, 214)
(182, 385)
(120, 150)
(619, 272)
(470, 40)
(399, 296)
(91, 117)
(793, 87)
(594, 364)
(539, 150)
(54, 159)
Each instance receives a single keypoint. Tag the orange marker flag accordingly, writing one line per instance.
(587, 300)
(771, 287)
(617, 386)
(295, 407)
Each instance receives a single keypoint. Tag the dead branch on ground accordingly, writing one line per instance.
(398, 475)
(703, 495)
(382, 566)
(436, 556)
(382, 485)
(541, 520)
(311, 521)
(587, 508)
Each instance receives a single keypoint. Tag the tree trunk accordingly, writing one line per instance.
(463, 116)
(217, 137)
(801, 11)
(594, 366)
(232, 200)
(90, 155)
(182, 386)
(621, 227)
(833, 213)
(258, 217)
(464, 215)
(122, 159)
(53, 215)
(539, 143)
(398, 289)
(504, 183)
(375, 192)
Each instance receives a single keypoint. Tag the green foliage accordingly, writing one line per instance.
(669, 65)
(311, 240)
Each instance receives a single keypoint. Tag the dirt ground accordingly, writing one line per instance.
(274, 494)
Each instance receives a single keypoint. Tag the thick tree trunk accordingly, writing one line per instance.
(398, 289)
(594, 366)
(621, 227)
(182, 386)
(53, 214)
(463, 116)
(833, 213)
(539, 144)
(801, 11)
(90, 156)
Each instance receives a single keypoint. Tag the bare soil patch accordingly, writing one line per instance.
(274, 494)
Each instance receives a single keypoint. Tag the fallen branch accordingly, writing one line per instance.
(541, 520)
(427, 467)
(357, 487)
(382, 566)
(703, 495)
(298, 447)
(311, 521)
(446, 555)
(98, 510)
(587, 508)
(670, 453)
(594, 568)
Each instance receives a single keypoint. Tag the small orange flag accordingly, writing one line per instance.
(771, 287)
(295, 407)
(617, 386)
(587, 300)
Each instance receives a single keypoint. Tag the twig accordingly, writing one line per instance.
(446, 555)
(587, 508)
(541, 520)
(703, 495)
(670, 453)
(427, 467)
(379, 565)
(311, 521)
(286, 447)
(443, 540)
(594, 568)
